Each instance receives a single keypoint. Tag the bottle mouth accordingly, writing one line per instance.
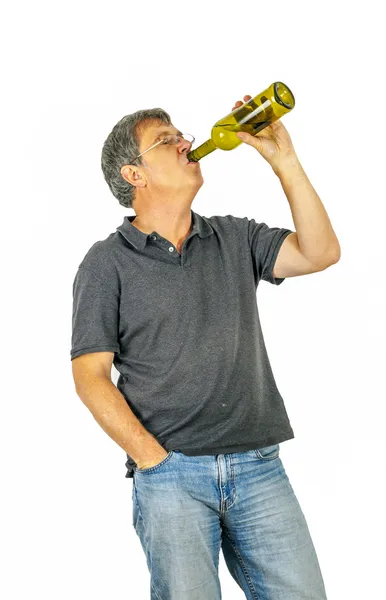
(283, 95)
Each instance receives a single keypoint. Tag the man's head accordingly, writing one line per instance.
(161, 174)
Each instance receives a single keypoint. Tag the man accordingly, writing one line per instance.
(170, 298)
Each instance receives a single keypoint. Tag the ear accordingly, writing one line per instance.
(132, 175)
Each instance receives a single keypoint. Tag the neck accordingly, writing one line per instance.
(170, 224)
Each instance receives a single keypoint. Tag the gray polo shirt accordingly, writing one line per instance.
(185, 331)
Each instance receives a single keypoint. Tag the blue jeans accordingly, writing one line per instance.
(186, 507)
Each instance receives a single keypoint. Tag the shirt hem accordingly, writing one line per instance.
(269, 440)
(87, 349)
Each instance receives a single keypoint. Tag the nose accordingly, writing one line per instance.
(184, 145)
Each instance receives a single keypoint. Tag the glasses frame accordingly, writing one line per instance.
(163, 140)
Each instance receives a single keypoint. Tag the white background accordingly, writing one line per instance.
(70, 71)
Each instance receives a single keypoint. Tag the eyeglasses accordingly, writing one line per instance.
(171, 139)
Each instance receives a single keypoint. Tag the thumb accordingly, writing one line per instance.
(248, 138)
(256, 142)
(242, 135)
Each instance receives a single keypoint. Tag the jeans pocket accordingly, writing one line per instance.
(155, 467)
(268, 452)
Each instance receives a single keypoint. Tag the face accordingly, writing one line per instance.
(165, 167)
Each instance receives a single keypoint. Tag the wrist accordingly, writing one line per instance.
(286, 165)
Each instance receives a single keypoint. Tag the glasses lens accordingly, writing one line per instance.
(175, 139)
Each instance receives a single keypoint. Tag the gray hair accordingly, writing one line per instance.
(122, 146)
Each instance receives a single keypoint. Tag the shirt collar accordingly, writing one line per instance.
(139, 239)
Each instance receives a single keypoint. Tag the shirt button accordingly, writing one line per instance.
(171, 249)
(153, 237)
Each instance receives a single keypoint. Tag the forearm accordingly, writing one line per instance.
(111, 411)
(316, 237)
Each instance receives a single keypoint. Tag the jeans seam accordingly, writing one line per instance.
(155, 591)
(244, 570)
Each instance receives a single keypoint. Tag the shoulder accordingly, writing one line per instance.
(227, 223)
(101, 259)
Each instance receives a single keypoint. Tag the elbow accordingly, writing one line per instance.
(327, 260)
(333, 256)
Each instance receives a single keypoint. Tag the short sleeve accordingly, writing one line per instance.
(95, 315)
(265, 243)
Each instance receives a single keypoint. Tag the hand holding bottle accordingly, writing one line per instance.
(258, 117)
(273, 143)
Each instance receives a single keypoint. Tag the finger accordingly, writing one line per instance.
(239, 103)
(246, 98)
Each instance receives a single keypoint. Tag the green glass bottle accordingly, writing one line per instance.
(252, 117)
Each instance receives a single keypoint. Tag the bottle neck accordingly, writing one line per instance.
(203, 150)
